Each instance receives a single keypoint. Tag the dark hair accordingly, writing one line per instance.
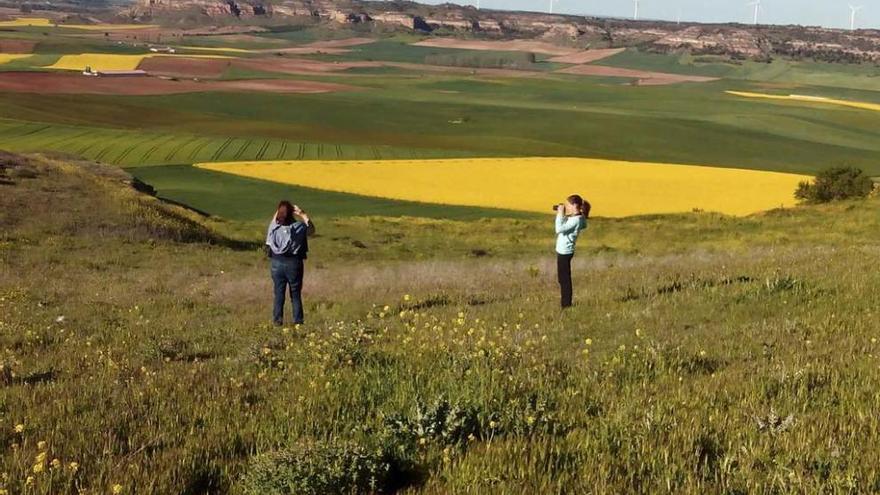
(583, 205)
(287, 217)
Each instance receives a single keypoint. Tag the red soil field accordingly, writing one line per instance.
(645, 78)
(504, 46)
(587, 56)
(66, 83)
(185, 67)
(16, 46)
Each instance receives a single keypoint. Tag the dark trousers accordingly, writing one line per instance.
(563, 271)
(287, 273)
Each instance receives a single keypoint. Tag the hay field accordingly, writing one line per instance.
(809, 99)
(616, 188)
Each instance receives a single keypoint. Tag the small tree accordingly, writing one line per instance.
(835, 184)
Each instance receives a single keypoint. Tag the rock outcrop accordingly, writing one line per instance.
(735, 41)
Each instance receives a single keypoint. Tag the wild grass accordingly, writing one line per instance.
(714, 364)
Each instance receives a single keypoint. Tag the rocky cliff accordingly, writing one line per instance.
(736, 41)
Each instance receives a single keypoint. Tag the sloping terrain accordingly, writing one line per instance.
(705, 353)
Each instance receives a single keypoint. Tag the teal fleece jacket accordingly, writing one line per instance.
(567, 231)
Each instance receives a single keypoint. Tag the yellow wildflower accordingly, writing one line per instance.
(117, 489)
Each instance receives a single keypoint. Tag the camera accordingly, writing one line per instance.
(555, 207)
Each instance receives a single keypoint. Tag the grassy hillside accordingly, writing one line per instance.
(706, 354)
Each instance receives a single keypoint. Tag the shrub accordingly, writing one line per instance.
(835, 184)
(318, 468)
(449, 423)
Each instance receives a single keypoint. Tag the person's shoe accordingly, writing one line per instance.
(278, 323)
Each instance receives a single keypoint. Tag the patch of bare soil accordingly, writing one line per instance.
(185, 67)
(16, 46)
(505, 46)
(285, 65)
(585, 57)
(643, 78)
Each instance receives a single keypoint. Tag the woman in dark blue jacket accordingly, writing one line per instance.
(287, 245)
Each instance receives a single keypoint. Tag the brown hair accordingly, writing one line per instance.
(285, 218)
(583, 205)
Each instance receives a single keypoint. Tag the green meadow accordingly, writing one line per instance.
(705, 354)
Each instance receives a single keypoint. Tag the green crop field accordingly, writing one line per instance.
(408, 113)
(705, 353)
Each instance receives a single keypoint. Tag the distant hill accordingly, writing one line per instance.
(735, 40)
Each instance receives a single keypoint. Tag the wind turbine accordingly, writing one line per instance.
(757, 5)
(852, 17)
(636, 13)
(551, 5)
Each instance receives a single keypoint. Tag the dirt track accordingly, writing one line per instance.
(66, 83)
(645, 78)
(587, 56)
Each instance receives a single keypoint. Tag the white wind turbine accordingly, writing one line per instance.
(852, 17)
(757, 5)
(551, 5)
(636, 13)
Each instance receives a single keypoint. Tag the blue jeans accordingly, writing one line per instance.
(287, 272)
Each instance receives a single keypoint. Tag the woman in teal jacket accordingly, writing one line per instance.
(571, 219)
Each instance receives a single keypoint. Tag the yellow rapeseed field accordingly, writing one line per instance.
(26, 21)
(106, 61)
(9, 57)
(98, 61)
(616, 188)
(810, 99)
